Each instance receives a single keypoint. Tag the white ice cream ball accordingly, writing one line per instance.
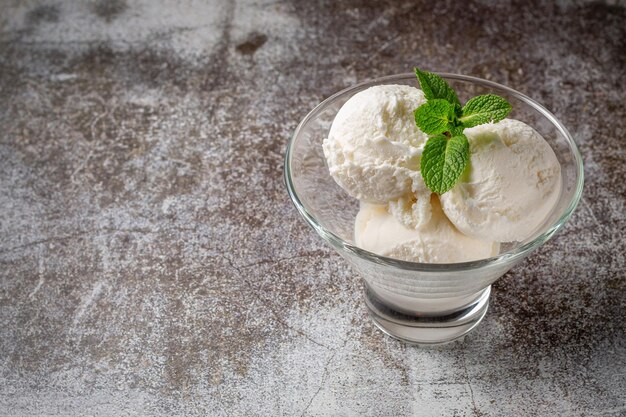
(373, 148)
(378, 231)
(510, 186)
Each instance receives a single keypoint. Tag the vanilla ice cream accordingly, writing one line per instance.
(512, 183)
(438, 241)
(374, 147)
(507, 191)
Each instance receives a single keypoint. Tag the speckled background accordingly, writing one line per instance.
(151, 262)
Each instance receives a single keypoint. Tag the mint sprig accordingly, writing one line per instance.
(446, 153)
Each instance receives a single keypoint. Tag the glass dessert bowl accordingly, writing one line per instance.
(424, 303)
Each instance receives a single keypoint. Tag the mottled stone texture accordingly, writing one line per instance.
(152, 263)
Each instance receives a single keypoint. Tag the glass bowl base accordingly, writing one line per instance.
(422, 329)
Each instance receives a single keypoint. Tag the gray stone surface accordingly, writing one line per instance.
(151, 262)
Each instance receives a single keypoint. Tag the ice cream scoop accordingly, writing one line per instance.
(438, 241)
(373, 148)
(510, 186)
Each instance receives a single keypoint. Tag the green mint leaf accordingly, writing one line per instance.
(456, 131)
(443, 161)
(435, 87)
(435, 116)
(484, 109)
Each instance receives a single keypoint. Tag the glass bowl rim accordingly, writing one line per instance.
(508, 256)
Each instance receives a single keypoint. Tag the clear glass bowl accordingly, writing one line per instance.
(420, 302)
